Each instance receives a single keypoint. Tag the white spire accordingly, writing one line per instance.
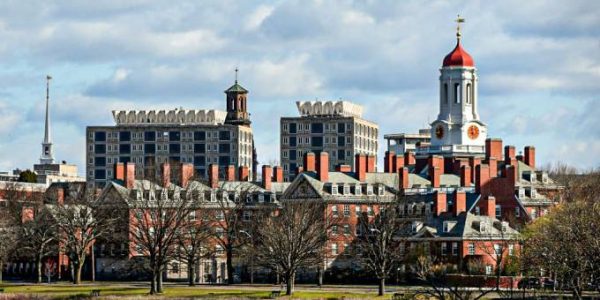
(47, 156)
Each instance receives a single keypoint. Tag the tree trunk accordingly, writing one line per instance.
(153, 283)
(381, 286)
(229, 265)
(78, 269)
(320, 276)
(159, 282)
(289, 284)
(191, 273)
(38, 262)
(1, 268)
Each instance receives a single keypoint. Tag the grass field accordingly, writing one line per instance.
(68, 291)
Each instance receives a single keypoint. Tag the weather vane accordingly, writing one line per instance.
(458, 21)
(236, 75)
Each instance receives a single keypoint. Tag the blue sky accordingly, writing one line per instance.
(538, 62)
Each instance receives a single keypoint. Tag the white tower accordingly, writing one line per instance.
(458, 125)
(47, 155)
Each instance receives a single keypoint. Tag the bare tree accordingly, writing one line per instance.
(8, 241)
(80, 222)
(159, 217)
(193, 241)
(378, 247)
(292, 238)
(38, 237)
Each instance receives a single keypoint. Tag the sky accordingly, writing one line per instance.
(538, 64)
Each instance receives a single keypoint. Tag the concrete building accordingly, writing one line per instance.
(403, 142)
(149, 138)
(335, 127)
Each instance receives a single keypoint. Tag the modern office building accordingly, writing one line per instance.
(152, 137)
(402, 142)
(336, 127)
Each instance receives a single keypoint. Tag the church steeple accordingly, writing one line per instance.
(237, 110)
(47, 155)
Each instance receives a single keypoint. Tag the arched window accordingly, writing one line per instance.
(469, 93)
(446, 93)
(457, 93)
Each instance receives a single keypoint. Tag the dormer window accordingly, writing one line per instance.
(334, 189)
(224, 196)
(272, 198)
(357, 189)
(261, 198)
(380, 190)
(346, 189)
(482, 226)
(449, 225)
(369, 190)
(416, 226)
(521, 192)
(213, 197)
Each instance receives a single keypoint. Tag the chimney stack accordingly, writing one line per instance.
(230, 173)
(371, 162)
(482, 178)
(278, 174)
(119, 173)
(213, 176)
(389, 161)
(440, 203)
(165, 173)
(267, 173)
(323, 167)
(510, 155)
(493, 163)
(460, 201)
(489, 206)
(360, 167)
(437, 162)
(309, 162)
(403, 178)
(129, 175)
(60, 195)
(186, 174)
(493, 148)
(435, 176)
(473, 163)
(409, 158)
(530, 156)
(243, 173)
(399, 163)
(465, 176)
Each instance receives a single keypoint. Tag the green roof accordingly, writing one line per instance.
(236, 88)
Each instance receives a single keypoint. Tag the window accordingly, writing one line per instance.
(534, 214)
(370, 210)
(471, 249)
(358, 189)
(192, 216)
(380, 190)
(220, 216)
(357, 210)
(199, 161)
(469, 95)
(100, 174)
(100, 136)
(446, 93)
(346, 229)
(224, 148)
(369, 190)
(247, 215)
(444, 248)
(511, 249)
(224, 161)
(341, 141)
(457, 93)
(174, 136)
(334, 211)
(124, 149)
(477, 211)
(341, 155)
(99, 149)
(334, 230)
(497, 249)
(334, 249)
(100, 161)
(149, 148)
(334, 189)
(346, 189)
(341, 128)
(199, 135)
(224, 135)
(174, 148)
(346, 210)
(517, 212)
(293, 142)
(488, 270)
(454, 248)
(317, 141)
(293, 155)
(317, 128)
(498, 211)
(293, 128)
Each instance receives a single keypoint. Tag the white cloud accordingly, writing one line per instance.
(256, 18)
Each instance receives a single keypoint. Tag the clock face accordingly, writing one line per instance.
(439, 131)
(473, 132)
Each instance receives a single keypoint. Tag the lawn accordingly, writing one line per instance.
(64, 291)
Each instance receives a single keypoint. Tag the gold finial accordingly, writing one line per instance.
(458, 21)
(236, 74)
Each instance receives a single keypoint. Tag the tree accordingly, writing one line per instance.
(565, 241)
(379, 244)
(80, 222)
(27, 176)
(159, 219)
(8, 240)
(192, 242)
(38, 237)
(291, 238)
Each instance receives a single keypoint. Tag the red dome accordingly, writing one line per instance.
(458, 57)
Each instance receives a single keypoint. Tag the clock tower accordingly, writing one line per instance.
(457, 128)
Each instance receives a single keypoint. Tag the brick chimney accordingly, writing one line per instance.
(409, 158)
(323, 167)
(399, 163)
(511, 175)
(186, 174)
(267, 174)
(371, 163)
(243, 173)
(473, 163)
(465, 176)
(310, 164)
(278, 174)
(493, 163)
(489, 206)
(529, 158)
(435, 176)
(460, 202)
(129, 175)
(510, 155)
(213, 176)
(230, 173)
(482, 178)
(343, 168)
(360, 167)
(119, 172)
(389, 161)
(403, 178)
(493, 148)
(439, 203)
(436, 161)
(165, 173)
(60, 193)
